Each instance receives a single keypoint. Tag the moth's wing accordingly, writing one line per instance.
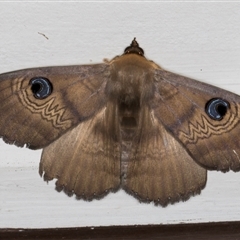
(77, 94)
(159, 168)
(86, 159)
(180, 106)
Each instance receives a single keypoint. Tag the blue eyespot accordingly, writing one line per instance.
(216, 108)
(41, 87)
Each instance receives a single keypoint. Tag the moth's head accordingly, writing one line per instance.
(134, 48)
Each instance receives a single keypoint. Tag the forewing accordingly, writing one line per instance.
(77, 94)
(179, 105)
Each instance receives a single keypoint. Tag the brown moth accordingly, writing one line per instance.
(126, 123)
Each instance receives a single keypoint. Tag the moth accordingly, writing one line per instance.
(126, 123)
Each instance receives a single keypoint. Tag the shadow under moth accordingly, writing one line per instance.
(126, 123)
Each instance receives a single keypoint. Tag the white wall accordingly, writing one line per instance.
(200, 40)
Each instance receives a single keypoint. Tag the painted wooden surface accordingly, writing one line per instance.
(199, 40)
(206, 231)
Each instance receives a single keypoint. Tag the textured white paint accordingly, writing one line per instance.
(200, 40)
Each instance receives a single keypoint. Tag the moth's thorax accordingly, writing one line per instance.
(131, 86)
(132, 78)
